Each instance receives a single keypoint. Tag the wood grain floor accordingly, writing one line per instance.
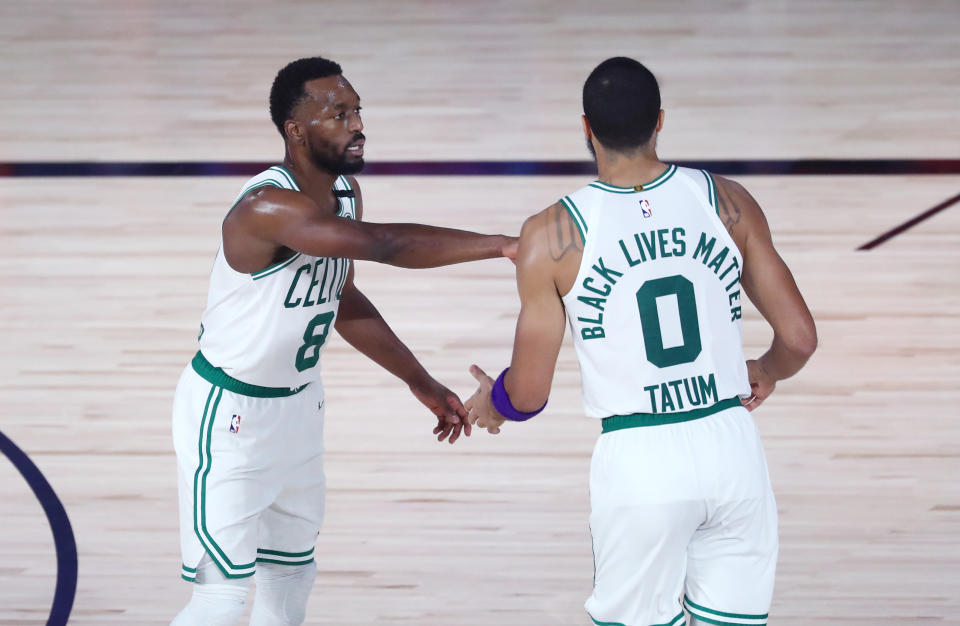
(103, 281)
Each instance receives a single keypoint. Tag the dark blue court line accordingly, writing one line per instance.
(63, 538)
(766, 167)
(893, 232)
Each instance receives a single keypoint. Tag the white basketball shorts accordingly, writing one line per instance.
(682, 518)
(250, 464)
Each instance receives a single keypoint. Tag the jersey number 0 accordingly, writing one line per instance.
(647, 296)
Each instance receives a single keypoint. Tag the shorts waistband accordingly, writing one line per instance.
(218, 377)
(637, 420)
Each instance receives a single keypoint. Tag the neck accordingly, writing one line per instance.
(622, 170)
(312, 180)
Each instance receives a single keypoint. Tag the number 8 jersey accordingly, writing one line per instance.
(655, 308)
(268, 328)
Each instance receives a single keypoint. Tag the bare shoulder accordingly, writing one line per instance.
(553, 231)
(550, 245)
(739, 211)
(267, 202)
(356, 192)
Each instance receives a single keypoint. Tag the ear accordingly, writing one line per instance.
(587, 131)
(293, 132)
(660, 121)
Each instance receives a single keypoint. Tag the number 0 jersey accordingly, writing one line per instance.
(655, 309)
(268, 328)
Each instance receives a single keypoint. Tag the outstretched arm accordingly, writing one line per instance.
(540, 325)
(269, 218)
(767, 281)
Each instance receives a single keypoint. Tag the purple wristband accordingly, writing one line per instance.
(501, 402)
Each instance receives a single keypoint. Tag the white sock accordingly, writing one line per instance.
(216, 600)
(282, 593)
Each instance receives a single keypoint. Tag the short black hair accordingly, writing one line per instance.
(621, 100)
(287, 90)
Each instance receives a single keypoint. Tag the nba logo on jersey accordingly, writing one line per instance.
(645, 208)
(235, 424)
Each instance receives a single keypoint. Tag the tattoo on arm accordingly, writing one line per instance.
(728, 209)
(562, 236)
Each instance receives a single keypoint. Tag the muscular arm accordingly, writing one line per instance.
(359, 322)
(269, 218)
(547, 261)
(544, 240)
(767, 281)
(362, 326)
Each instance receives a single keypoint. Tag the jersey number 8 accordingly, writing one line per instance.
(309, 353)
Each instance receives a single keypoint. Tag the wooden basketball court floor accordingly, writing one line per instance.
(103, 280)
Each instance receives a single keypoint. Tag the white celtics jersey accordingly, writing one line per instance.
(268, 328)
(655, 309)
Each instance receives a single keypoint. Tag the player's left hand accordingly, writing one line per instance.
(761, 385)
(480, 405)
(451, 416)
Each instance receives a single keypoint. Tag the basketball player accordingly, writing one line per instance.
(648, 264)
(248, 411)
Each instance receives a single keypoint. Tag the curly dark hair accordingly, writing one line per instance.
(287, 90)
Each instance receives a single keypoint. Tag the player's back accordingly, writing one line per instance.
(268, 328)
(655, 307)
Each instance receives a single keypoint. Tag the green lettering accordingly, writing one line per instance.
(630, 261)
(705, 247)
(665, 399)
(592, 333)
(650, 244)
(735, 314)
(733, 263)
(596, 303)
(694, 401)
(598, 321)
(653, 397)
(676, 391)
(293, 285)
(313, 283)
(662, 240)
(678, 235)
(607, 273)
(708, 389)
(718, 260)
(586, 285)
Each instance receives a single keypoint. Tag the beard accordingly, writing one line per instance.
(339, 162)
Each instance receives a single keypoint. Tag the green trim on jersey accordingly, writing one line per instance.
(656, 182)
(284, 558)
(229, 569)
(262, 183)
(676, 621)
(576, 216)
(711, 191)
(715, 617)
(353, 198)
(217, 376)
(189, 574)
(273, 269)
(286, 174)
(636, 420)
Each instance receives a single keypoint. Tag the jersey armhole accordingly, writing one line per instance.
(576, 216)
(711, 190)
